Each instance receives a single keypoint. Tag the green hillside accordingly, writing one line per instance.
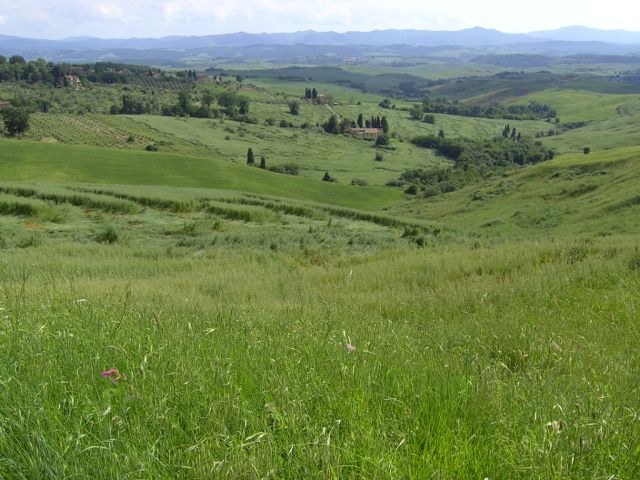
(572, 194)
(177, 314)
(31, 161)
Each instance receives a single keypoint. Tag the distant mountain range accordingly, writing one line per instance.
(305, 44)
(584, 34)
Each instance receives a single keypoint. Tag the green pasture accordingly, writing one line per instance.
(36, 161)
(178, 314)
(576, 194)
(248, 361)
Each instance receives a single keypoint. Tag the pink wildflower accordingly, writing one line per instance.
(112, 373)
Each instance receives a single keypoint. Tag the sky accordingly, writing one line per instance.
(156, 18)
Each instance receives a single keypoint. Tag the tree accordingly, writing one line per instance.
(307, 94)
(3, 59)
(386, 103)
(207, 98)
(16, 59)
(586, 150)
(263, 163)
(345, 125)
(360, 121)
(441, 134)
(244, 105)
(314, 94)
(382, 140)
(328, 178)
(294, 107)
(184, 102)
(331, 126)
(16, 121)
(416, 112)
(429, 118)
(251, 160)
(384, 124)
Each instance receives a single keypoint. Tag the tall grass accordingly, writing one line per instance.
(489, 363)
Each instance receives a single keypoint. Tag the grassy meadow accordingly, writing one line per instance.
(178, 314)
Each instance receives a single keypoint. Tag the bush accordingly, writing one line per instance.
(294, 107)
(412, 190)
(108, 235)
(382, 140)
(379, 157)
(359, 182)
(634, 261)
(151, 148)
(16, 121)
(328, 178)
(286, 168)
(396, 182)
(431, 191)
(586, 150)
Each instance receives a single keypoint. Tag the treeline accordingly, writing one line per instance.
(335, 126)
(17, 69)
(473, 160)
(532, 111)
(230, 104)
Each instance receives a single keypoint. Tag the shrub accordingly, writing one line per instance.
(412, 190)
(16, 121)
(379, 157)
(294, 107)
(108, 235)
(359, 182)
(634, 261)
(382, 140)
(328, 178)
(286, 168)
(586, 150)
(396, 182)
(151, 148)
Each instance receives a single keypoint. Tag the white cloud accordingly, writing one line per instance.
(2, 19)
(120, 18)
(108, 11)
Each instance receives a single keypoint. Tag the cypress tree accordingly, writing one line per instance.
(250, 158)
(384, 124)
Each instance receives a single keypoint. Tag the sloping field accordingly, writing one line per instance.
(29, 161)
(596, 193)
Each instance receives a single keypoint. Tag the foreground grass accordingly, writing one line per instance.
(515, 362)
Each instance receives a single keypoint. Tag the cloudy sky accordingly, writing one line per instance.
(154, 18)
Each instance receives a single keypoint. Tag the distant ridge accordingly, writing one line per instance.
(325, 47)
(578, 33)
(468, 37)
(476, 36)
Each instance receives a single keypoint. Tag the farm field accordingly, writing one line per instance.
(178, 314)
